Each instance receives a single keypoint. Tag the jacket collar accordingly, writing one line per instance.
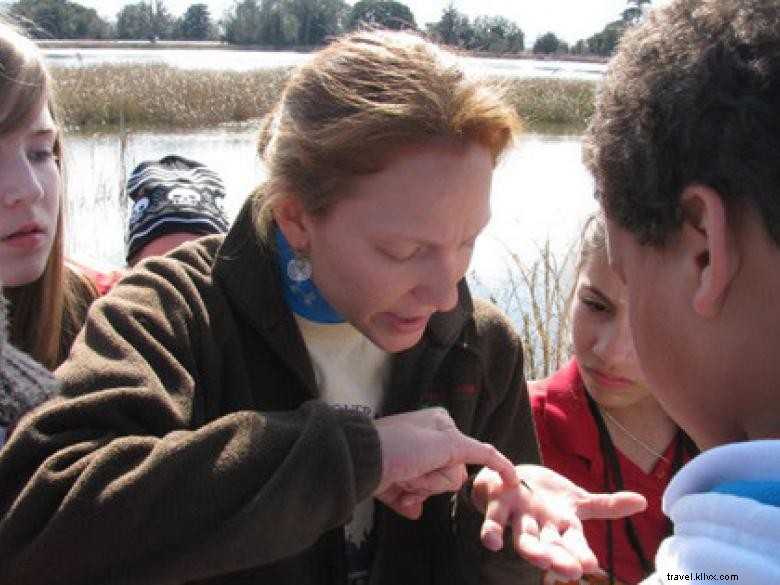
(248, 270)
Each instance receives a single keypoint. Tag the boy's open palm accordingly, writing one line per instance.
(546, 520)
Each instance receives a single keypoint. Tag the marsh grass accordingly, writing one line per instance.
(552, 106)
(157, 96)
(535, 296)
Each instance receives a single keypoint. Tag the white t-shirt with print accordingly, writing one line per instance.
(351, 374)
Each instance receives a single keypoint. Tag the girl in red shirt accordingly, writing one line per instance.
(599, 425)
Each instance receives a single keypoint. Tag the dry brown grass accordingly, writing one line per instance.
(534, 295)
(552, 105)
(545, 328)
(163, 97)
(159, 96)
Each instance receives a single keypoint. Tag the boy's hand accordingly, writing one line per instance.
(546, 520)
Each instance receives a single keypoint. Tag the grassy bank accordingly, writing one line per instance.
(166, 98)
(162, 97)
(552, 106)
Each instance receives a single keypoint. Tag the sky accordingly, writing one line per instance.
(570, 20)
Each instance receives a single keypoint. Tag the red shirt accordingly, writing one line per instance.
(569, 442)
(103, 281)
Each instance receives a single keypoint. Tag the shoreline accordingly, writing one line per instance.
(197, 45)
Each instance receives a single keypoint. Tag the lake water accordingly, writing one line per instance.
(239, 60)
(541, 191)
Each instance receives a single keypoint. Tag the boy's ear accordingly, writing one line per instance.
(710, 246)
(290, 216)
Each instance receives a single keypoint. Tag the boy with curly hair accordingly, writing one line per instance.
(684, 148)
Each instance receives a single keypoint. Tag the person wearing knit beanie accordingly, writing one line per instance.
(175, 199)
(24, 384)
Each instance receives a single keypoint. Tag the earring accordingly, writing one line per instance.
(299, 268)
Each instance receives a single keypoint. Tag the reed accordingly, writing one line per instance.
(161, 97)
(535, 296)
(552, 105)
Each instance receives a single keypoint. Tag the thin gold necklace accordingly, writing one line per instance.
(633, 437)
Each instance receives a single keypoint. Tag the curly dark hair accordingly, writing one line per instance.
(691, 97)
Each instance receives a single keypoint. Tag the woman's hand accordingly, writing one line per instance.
(545, 512)
(424, 453)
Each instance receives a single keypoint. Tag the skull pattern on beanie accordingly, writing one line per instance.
(170, 195)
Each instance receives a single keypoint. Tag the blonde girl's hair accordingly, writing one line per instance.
(47, 313)
(362, 100)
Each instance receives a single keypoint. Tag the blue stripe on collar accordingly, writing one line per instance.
(765, 492)
(303, 298)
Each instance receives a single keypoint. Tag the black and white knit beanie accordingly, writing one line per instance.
(173, 194)
(24, 383)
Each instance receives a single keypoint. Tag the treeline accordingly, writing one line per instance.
(303, 23)
(147, 19)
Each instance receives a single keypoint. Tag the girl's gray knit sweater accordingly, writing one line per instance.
(24, 383)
